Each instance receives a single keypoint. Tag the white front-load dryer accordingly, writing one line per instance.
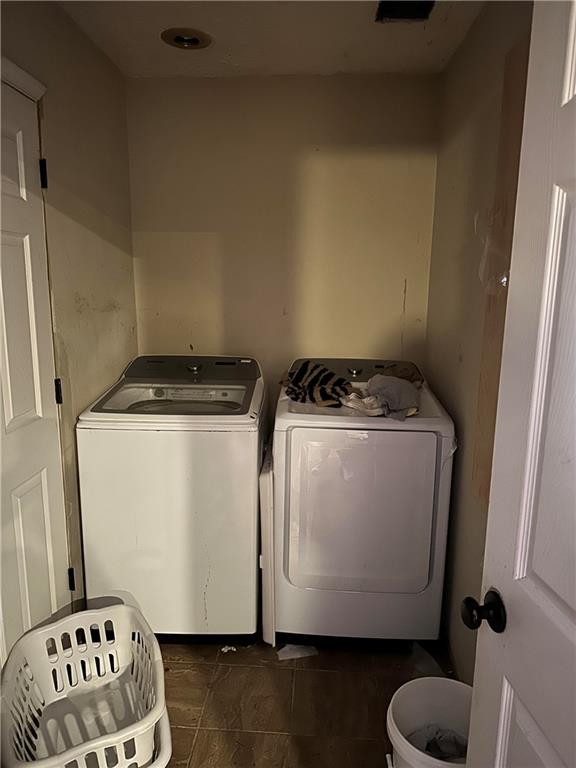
(169, 460)
(356, 540)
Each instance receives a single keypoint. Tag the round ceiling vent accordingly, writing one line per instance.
(183, 37)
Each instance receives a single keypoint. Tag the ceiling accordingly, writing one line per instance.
(264, 37)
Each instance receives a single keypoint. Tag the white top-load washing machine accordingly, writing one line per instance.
(354, 540)
(169, 460)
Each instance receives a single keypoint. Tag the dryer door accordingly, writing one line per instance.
(360, 510)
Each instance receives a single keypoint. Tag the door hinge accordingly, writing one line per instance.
(71, 580)
(58, 391)
(43, 173)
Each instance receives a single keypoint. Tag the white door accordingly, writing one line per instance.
(33, 534)
(524, 710)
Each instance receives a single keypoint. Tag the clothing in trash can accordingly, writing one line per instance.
(441, 743)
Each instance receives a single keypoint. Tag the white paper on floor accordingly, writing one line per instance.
(228, 649)
(296, 652)
(424, 664)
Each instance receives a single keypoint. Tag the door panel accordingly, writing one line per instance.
(13, 168)
(522, 741)
(551, 479)
(31, 515)
(360, 511)
(20, 366)
(33, 541)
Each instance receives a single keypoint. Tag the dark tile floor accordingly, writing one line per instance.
(247, 709)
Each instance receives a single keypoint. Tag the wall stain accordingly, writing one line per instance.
(84, 305)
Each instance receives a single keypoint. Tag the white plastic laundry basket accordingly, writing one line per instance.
(86, 692)
(422, 702)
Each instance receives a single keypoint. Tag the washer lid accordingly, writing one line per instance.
(181, 399)
(181, 392)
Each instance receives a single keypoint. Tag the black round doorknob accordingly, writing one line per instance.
(492, 611)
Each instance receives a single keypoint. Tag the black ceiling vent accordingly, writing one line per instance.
(403, 10)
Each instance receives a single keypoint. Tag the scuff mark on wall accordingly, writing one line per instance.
(403, 319)
(205, 593)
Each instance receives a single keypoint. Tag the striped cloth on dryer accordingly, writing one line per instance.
(314, 383)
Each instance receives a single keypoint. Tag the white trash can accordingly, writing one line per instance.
(422, 702)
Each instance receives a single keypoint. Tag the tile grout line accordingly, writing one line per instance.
(222, 660)
(192, 748)
(291, 723)
(202, 712)
(222, 663)
(268, 732)
(185, 728)
(178, 663)
(369, 739)
(270, 667)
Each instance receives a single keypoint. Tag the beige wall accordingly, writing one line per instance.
(464, 217)
(283, 216)
(84, 139)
